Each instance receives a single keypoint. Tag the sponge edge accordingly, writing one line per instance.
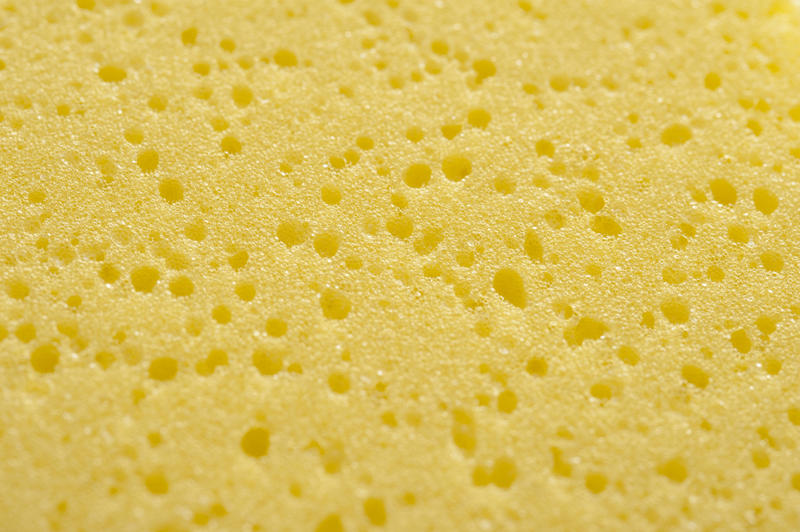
(343, 265)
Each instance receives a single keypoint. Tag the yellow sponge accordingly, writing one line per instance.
(349, 265)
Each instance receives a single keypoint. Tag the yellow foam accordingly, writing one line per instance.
(399, 264)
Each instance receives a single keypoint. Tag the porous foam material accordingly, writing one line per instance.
(399, 264)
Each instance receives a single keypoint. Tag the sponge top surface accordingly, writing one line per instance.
(343, 265)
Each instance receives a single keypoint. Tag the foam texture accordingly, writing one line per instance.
(399, 264)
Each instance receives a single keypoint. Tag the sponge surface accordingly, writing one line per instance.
(399, 264)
